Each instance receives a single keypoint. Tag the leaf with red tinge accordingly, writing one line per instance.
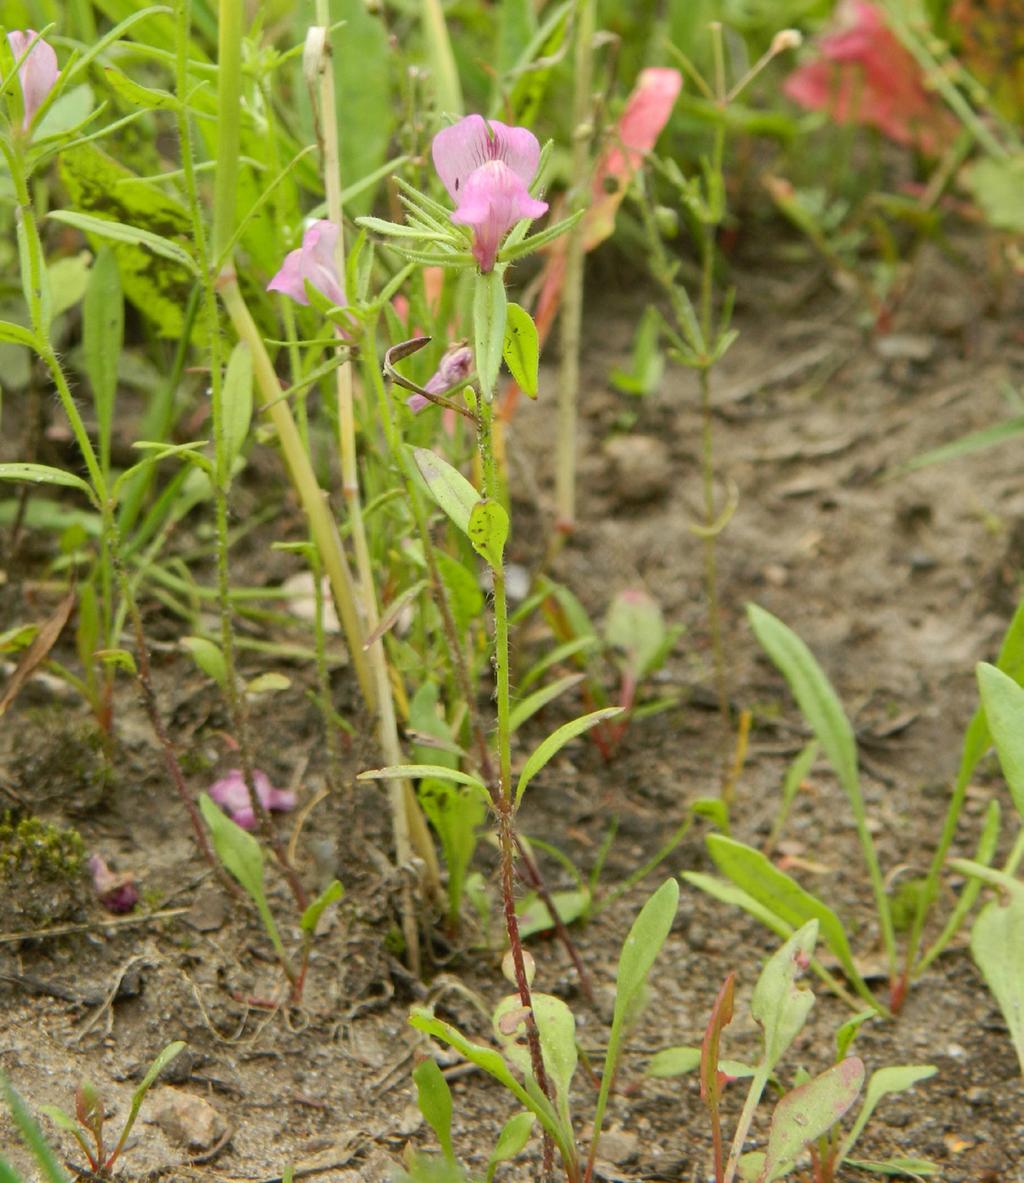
(807, 1112)
(38, 651)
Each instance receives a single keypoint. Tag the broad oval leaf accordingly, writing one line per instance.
(807, 1112)
(779, 1006)
(488, 531)
(521, 349)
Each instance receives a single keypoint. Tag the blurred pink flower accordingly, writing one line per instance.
(37, 73)
(456, 365)
(314, 260)
(232, 795)
(116, 892)
(865, 75)
(487, 170)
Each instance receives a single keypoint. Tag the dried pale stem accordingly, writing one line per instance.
(406, 816)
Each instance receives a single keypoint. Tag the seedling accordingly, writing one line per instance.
(806, 1115)
(87, 1126)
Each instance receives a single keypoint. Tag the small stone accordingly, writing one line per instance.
(905, 346)
(208, 911)
(618, 1146)
(185, 1119)
(641, 467)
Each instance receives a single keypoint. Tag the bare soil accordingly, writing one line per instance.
(899, 586)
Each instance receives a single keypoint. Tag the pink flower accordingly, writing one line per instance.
(232, 795)
(116, 892)
(456, 365)
(37, 73)
(865, 75)
(314, 260)
(487, 170)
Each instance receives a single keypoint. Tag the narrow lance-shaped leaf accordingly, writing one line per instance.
(489, 313)
(102, 339)
(236, 403)
(434, 1098)
(557, 740)
(895, 1079)
(757, 875)
(1003, 700)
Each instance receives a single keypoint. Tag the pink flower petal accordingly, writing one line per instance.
(494, 199)
(454, 366)
(232, 795)
(313, 261)
(38, 72)
(464, 147)
(865, 75)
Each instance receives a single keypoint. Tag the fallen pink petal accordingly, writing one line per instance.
(864, 75)
(232, 794)
(38, 73)
(313, 261)
(487, 170)
(116, 891)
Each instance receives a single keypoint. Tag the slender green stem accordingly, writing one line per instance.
(571, 314)
(757, 1086)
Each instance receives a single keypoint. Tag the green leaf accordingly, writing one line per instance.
(364, 65)
(814, 694)
(236, 404)
(678, 1061)
(997, 946)
(66, 1122)
(68, 279)
(1003, 700)
(521, 349)
(456, 814)
(31, 1134)
(895, 1079)
(489, 314)
(557, 740)
(494, 1065)
(556, 1028)
(807, 1112)
(311, 916)
(758, 876)
(643, 944)
(534, 916)
(899, 1167)
(847, 1033)
(242, 855)
(131, 235)
(488, 531)
(513, 1137)
(418, 771)
(434, 1098)
(208, 658)
(43, 474)
(448, 487)
(539, 699)
(102, 341)
(18, 335)
(997, 185)
(635, 626)
(143, 97)
(779, 1006)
